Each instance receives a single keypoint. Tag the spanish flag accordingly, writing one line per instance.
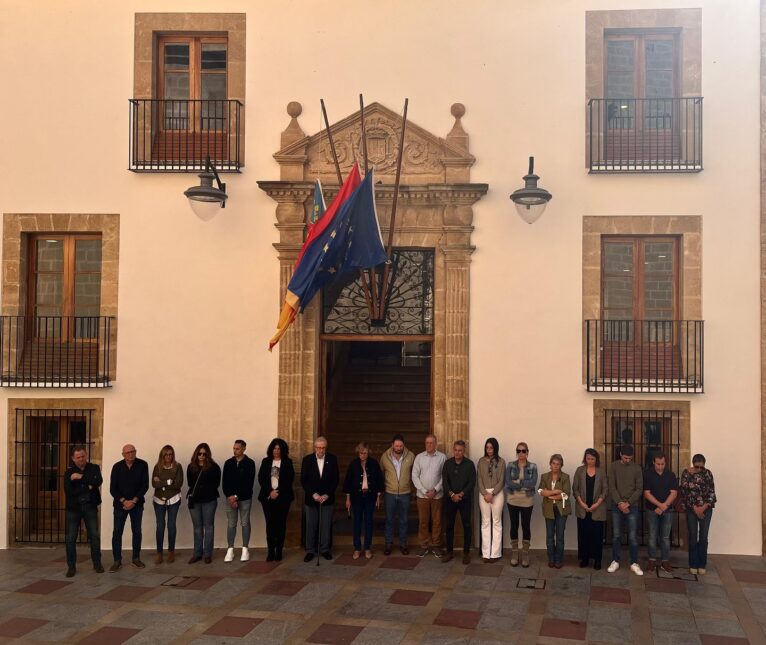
(321, 233)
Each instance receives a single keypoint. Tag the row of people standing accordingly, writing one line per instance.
(130, 482)
(591, 492)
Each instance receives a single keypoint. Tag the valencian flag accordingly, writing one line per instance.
(319, 206)
(346, 238)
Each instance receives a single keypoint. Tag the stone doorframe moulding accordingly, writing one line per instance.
(95, 455)
(435, 210)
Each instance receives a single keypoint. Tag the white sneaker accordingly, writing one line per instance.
(613, 567)
(636, 569)
(229, 555)
(245, 554)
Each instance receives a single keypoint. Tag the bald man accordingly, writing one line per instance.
(128, 485)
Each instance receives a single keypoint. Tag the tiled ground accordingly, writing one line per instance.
(385, 600)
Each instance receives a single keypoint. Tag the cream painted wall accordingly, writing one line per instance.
(192, 363)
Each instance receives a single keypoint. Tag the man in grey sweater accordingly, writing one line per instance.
(626, 485)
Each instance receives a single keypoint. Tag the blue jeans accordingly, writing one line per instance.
(554, 538)
(659, 526)
(120, 517)
(203, 520)
(698, 530)
(242, 512)
(363, 510)
(159, 513)
(88, 513)
(631, 518)
(397, 504)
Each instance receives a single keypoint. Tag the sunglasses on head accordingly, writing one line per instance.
(521, 450)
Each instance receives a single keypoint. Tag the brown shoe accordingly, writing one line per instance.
(208, 559)
(666, 566)
(387, 550)
(355, 555)
(448, 555)
(466, 558)
(158, 558)
(404, 550)
(194, 558)
(171, 556)
(650, 566)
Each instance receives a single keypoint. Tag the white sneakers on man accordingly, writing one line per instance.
(613, 567)
(636, 569)
(229, 555)
(245, 554)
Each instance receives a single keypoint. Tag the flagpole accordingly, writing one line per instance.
(370, 289)
(389, 248)
(332, 144)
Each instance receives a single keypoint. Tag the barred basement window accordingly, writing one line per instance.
(648, 432)
(43, 440)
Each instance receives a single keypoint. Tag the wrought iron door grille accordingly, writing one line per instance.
(410, 306)
(42, 442)
(649, 432)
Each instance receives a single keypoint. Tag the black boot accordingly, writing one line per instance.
(278, 554)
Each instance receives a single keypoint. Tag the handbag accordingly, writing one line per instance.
(190, 494)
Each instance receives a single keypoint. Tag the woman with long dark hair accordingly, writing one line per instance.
(491, 476)
(275, 479)
(204, 477)
(167, 479)
(590, 490)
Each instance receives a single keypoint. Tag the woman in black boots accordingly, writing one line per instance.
(275, 478)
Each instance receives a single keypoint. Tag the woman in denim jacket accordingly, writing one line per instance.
(520, 486)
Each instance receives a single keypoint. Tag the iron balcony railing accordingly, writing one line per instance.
(645, 135)
(177, 135)
(57, 351)
(644, 355)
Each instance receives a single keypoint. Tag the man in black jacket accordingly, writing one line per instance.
(319, 478)
(128, 485)
(81, 487)
(238, 481)
(459, 478)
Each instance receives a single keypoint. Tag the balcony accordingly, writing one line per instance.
(177, 135)
(57, 351)
(644, 356)
(645, 135)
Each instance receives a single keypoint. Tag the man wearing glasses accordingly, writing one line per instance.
(626, 486)
(128, 485)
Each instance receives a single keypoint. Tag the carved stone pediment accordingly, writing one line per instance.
(427, 158)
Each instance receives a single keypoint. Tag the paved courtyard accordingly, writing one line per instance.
(384, 600)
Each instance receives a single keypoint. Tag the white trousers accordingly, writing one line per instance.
(491, 526)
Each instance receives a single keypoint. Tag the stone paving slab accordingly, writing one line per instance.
(395, 600)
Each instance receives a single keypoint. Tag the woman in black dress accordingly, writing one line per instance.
(589, 488)
(275, 477)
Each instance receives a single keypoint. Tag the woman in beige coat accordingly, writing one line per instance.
(556, 492)
(590, 490)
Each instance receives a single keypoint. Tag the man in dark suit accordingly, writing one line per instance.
(319, 478)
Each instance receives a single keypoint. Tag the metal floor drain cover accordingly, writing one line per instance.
(180, 581)
(530, 583)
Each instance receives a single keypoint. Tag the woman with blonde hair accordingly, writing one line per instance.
(204, 476)
(167, 479)
(520, 485)
(363, 487)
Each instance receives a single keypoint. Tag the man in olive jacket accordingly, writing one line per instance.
(626, 486)
(397, 469)
(82, 481)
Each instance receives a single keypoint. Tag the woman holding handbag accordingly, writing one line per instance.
(167, 479)
(204, 477)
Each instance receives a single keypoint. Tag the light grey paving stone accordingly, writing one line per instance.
(466, 602)
(570, 585)
(672, 621)
(264, 602)
(325, 570)
(492, 621)
(608, 615)
(158, 626)
(311, 597)
(57, 631)
(378, 635)
(719, 627)
(432, 638)
(567, 609)
(273, 632)
(428, 577)
(703, 605)
(69, 612)
(662, 637)
(476, 583)
(609, 633)
(618, 580)
(668, 600)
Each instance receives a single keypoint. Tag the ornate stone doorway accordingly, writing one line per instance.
(435, 213)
